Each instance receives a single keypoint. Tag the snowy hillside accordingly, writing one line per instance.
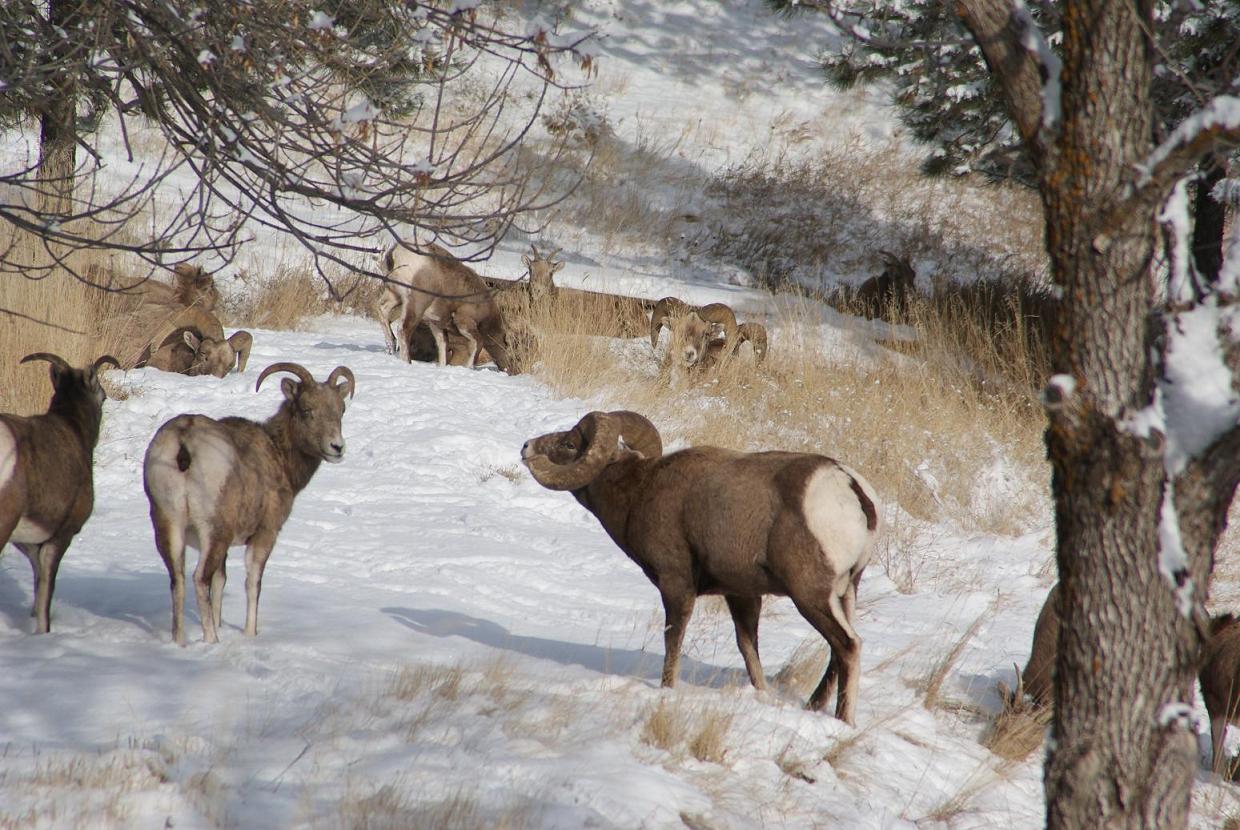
(443, 643)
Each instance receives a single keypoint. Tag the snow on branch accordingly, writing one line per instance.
(1035, 43)
(1217, 123)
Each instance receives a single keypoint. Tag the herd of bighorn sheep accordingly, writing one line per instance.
(700, 521)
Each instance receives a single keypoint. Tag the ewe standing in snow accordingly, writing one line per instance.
(46, 482)
(712, 521)
(212, 484)
(436, 288)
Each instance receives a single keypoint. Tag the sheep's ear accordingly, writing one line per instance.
(191, 340)
(556, 266)
(290, 388)
(526, 259)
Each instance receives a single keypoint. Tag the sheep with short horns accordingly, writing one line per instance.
(706, 520)
(217, 483)
(46, 473)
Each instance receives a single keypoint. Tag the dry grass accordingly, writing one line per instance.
(677, 727)
(1016, 732)
(930, 686)
(922, 433)
(58, 314)
(393, 807)
(292, 295)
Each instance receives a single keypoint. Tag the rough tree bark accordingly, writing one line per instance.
(58, 127)
(1121, 756)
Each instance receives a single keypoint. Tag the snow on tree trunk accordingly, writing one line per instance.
(1118, 759)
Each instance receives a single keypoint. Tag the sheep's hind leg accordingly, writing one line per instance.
(210, 560)
(745, 614)
(677, 607)
(170, 542)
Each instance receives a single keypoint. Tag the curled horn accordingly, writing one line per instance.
(54, 359)
(723, 316)
(105, 360)
(638, 433)
(602, 435)
(292, 368)
(342, 372)
(663, 309)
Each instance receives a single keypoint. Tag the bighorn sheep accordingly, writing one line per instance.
(542, 267)
(436, 288)
(216, 483)
(187, 351)
(46, 483)
(1036, 682)
(1220, 680)
(155, 328)
(711, 521)
(890, 289)
(705, 336)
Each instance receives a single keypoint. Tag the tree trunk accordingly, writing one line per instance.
(58, 122)
(1126, 655)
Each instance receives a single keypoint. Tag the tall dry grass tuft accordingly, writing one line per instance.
(286, 299)
(1017, 731)
(931, 684)
(929, 439)
(59, 313)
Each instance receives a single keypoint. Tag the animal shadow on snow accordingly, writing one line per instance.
(623, 663)
(372, 348)
(138, 599)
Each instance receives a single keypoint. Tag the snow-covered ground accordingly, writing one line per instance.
(444, 643)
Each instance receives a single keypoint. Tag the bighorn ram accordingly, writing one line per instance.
(213, 484)
(154, 330)
(704, 336)
(711, 521)
(436, 288)
(46, 483)
(1036, 681)
(188, 351)
(1220, 680)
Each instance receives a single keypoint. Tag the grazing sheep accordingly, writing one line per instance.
(755, 335)
(188, 351)
(46, 482)
(1036, 682)
(719, 318)
(1220, 680)
(712, 521)
(217, 483)
(436, 288)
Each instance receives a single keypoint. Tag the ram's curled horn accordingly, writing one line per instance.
(241, 342)
(638, 434)
(601, 434)
(722, 316)
(755, 333)
(293, 368)
(664, 308)
(342, 372)
(54, 359)
(105, 360)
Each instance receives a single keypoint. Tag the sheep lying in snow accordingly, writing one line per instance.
(217, 483)
(46, 474)
(188, 351)
(712, 521)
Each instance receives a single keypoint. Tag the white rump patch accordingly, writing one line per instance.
(836, 519)
(8, 454)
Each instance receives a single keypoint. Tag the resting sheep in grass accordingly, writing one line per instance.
(188, 351)
(217, 483)
(712, 521)
(46, 474)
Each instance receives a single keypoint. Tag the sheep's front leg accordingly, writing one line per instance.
(218, 579)
(256, 552)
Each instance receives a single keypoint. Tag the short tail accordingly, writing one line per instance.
(183, 457)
